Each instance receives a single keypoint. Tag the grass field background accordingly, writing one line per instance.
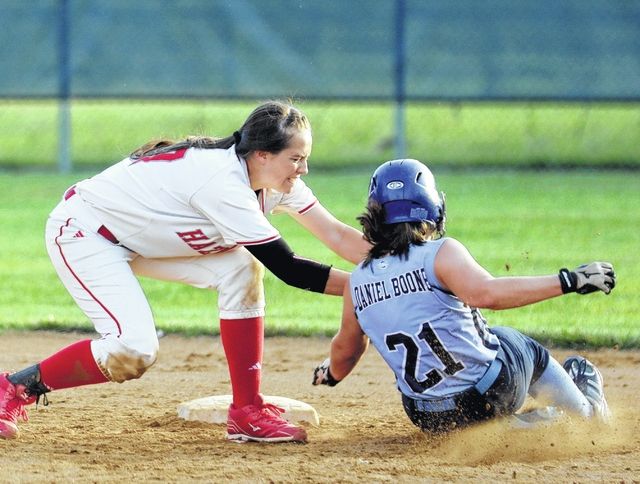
(346, 134)
(514, 222)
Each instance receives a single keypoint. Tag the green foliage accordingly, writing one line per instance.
(525, 134)
(513, 222)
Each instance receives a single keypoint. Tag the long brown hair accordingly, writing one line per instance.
(391, 239)
(268, 128)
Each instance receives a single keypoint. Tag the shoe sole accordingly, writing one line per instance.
(604, 415)
(247, 438)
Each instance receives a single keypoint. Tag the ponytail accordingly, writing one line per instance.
(268, 128)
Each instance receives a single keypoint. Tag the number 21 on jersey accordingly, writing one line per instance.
(411, 345)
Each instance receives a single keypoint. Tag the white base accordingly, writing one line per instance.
(214, 409)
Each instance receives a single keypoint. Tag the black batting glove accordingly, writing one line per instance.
(322, 375)
(588, 278)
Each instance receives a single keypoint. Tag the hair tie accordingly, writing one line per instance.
(236, 137)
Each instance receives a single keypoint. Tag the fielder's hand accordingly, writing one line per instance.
(322, 375)
(588, 278)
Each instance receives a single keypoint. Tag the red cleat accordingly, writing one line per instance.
(12, 401)
(261, 422)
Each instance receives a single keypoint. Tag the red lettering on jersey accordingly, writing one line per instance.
(199, 247)
(193, 236)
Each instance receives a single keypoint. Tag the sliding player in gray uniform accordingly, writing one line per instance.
(193, 212)
(415, 297)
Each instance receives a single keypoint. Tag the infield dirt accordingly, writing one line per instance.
(131, 432)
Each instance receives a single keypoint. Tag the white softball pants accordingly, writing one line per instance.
(101, 278)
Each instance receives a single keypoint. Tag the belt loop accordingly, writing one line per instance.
(440, 405)
(87, 216)
(106, 233)
(489, 377)
(70, 192)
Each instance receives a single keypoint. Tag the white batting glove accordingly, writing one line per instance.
(588, 278)
(322, 375)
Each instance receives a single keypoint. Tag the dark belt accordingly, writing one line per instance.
(102, 230)
(450, 403)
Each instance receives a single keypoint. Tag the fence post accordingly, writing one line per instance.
(64, 80)
(400, 60)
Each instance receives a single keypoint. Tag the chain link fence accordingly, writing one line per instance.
(459, 83)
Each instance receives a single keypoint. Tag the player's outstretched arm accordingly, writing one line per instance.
(341, 238)
(298, 271)
(336, 282)
(473, 284)
(347, 347)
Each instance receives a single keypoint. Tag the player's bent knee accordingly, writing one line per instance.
(121, 362)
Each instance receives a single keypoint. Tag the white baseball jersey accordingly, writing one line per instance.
(177, 216)
(435, 344)
(187, 202)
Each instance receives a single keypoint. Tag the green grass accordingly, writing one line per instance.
(513, 222)
(345, 133)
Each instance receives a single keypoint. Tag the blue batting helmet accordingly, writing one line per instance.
(407, 191)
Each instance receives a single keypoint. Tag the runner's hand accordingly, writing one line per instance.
(588, 278)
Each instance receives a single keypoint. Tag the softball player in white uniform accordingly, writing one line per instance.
(415, 299)
(192, 212)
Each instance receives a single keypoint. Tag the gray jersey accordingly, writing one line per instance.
(435, 344)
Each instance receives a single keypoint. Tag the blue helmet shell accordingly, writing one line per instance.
(407, 191)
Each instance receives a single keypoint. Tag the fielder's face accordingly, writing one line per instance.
(282, 169)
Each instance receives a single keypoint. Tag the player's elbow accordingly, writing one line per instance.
(484, 298)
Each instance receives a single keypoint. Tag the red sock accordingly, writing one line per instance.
(243, 340)
(72, 366)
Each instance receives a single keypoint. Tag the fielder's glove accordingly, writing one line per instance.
(322, 375)
(588, 278)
